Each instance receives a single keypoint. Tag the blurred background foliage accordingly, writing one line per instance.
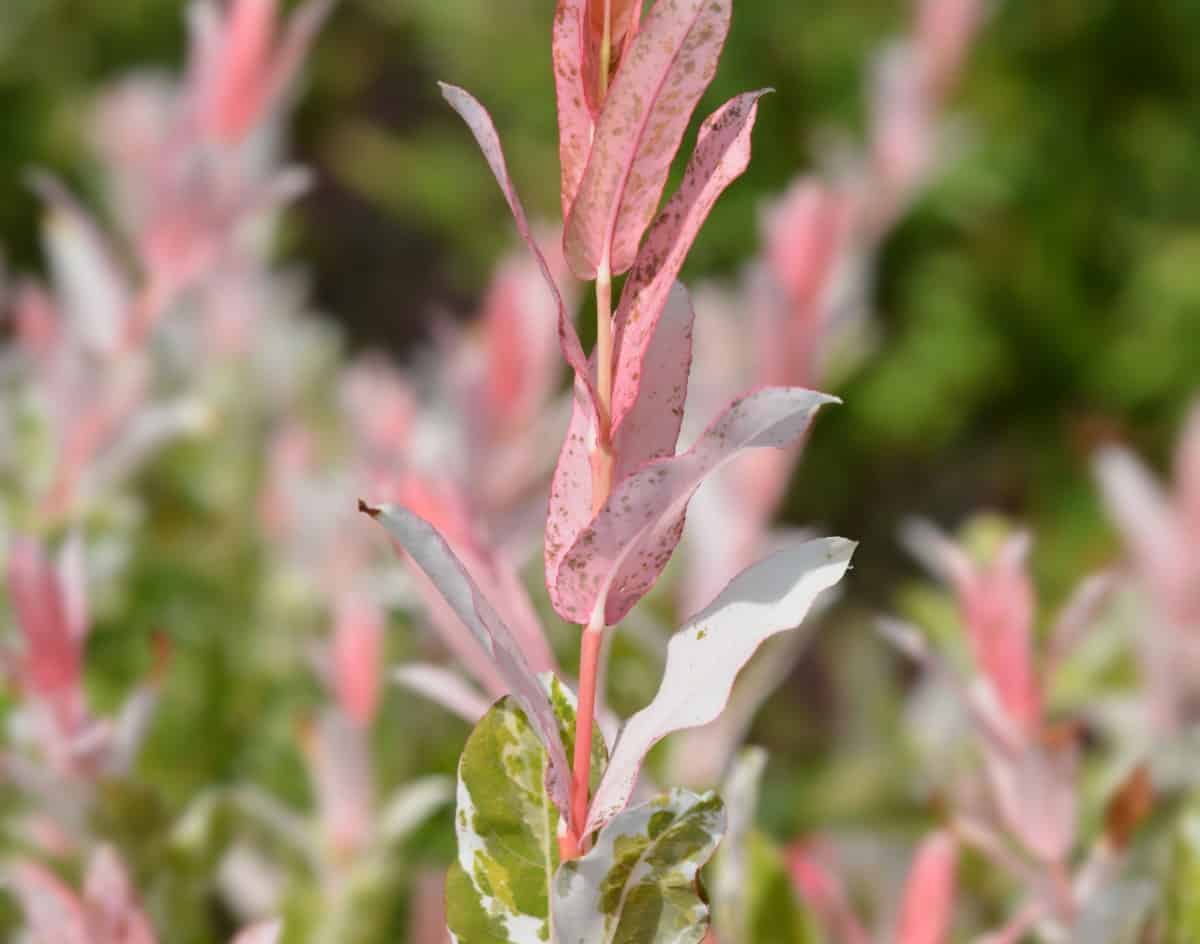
(1042, 297)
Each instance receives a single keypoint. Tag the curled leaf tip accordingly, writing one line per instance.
(369, 509)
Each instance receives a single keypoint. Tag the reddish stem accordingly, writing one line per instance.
(585, 716)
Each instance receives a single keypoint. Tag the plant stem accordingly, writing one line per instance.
(591, 644)
(605, 49)
(585, 716)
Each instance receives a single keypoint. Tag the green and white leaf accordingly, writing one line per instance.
(638, 884)
(507, 825)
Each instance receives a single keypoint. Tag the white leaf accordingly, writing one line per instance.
(705, 656)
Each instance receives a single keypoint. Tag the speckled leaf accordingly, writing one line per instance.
(638, 884)
(620, 554)
(665, 70)
(507, 825)
(432, 554)
(650, 432)
(721, 155)
(480, 123)
(705, 656)
(575, 124)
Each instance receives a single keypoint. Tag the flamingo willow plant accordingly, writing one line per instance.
(548, 848)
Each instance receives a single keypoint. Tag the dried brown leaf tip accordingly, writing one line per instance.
(1129, 807)
(368, 509)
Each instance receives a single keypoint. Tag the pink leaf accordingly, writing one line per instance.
(928, 906)
(722, 153)
(480, 123)
(358, 657)
(114, 914)
(52, 911)
(619, 555)
(664, 72)
(1187, 472)
(649, 428)
(650, 431)
(575, 126)
(705, 656)
(52, 663)
(433, 555)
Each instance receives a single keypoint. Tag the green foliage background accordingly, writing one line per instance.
(1041, 297)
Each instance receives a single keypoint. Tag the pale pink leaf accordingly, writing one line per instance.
(620, 554)
(265, 932)
(53, 912)
(575, 123)
(706, 655)
(358, 657)
(1187, 472)
(927, 909)
(114, 914)
(433, 555)
(443, 687)
(480, 123)
(1140, 509)
(92, 289)
(666, 69)
(650, 427)
(649, 432)
(722, 153)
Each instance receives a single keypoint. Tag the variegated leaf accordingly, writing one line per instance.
(705, 656)
(638, 884)
(433, 555)
(507, 825)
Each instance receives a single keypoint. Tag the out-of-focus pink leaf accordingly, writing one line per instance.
(358, 657)
(480, 123)
(945, 29)
(997, 604)
(52, 911)
(927, 909)
(114, 914)
(444, 687)
(52, 659)
(664, 72)
(428, 922)
(1138, 506)
(1187, 474)
(815, 875)
(433, 555)
(722, 153)
(1036, 792)
(93, 292)
(705, 656)
(266, 932)
(619, 555)
(341, 771)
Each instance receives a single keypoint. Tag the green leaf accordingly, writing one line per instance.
(639, 884)
(1183, 901)
(754, 901)
(507, 825)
